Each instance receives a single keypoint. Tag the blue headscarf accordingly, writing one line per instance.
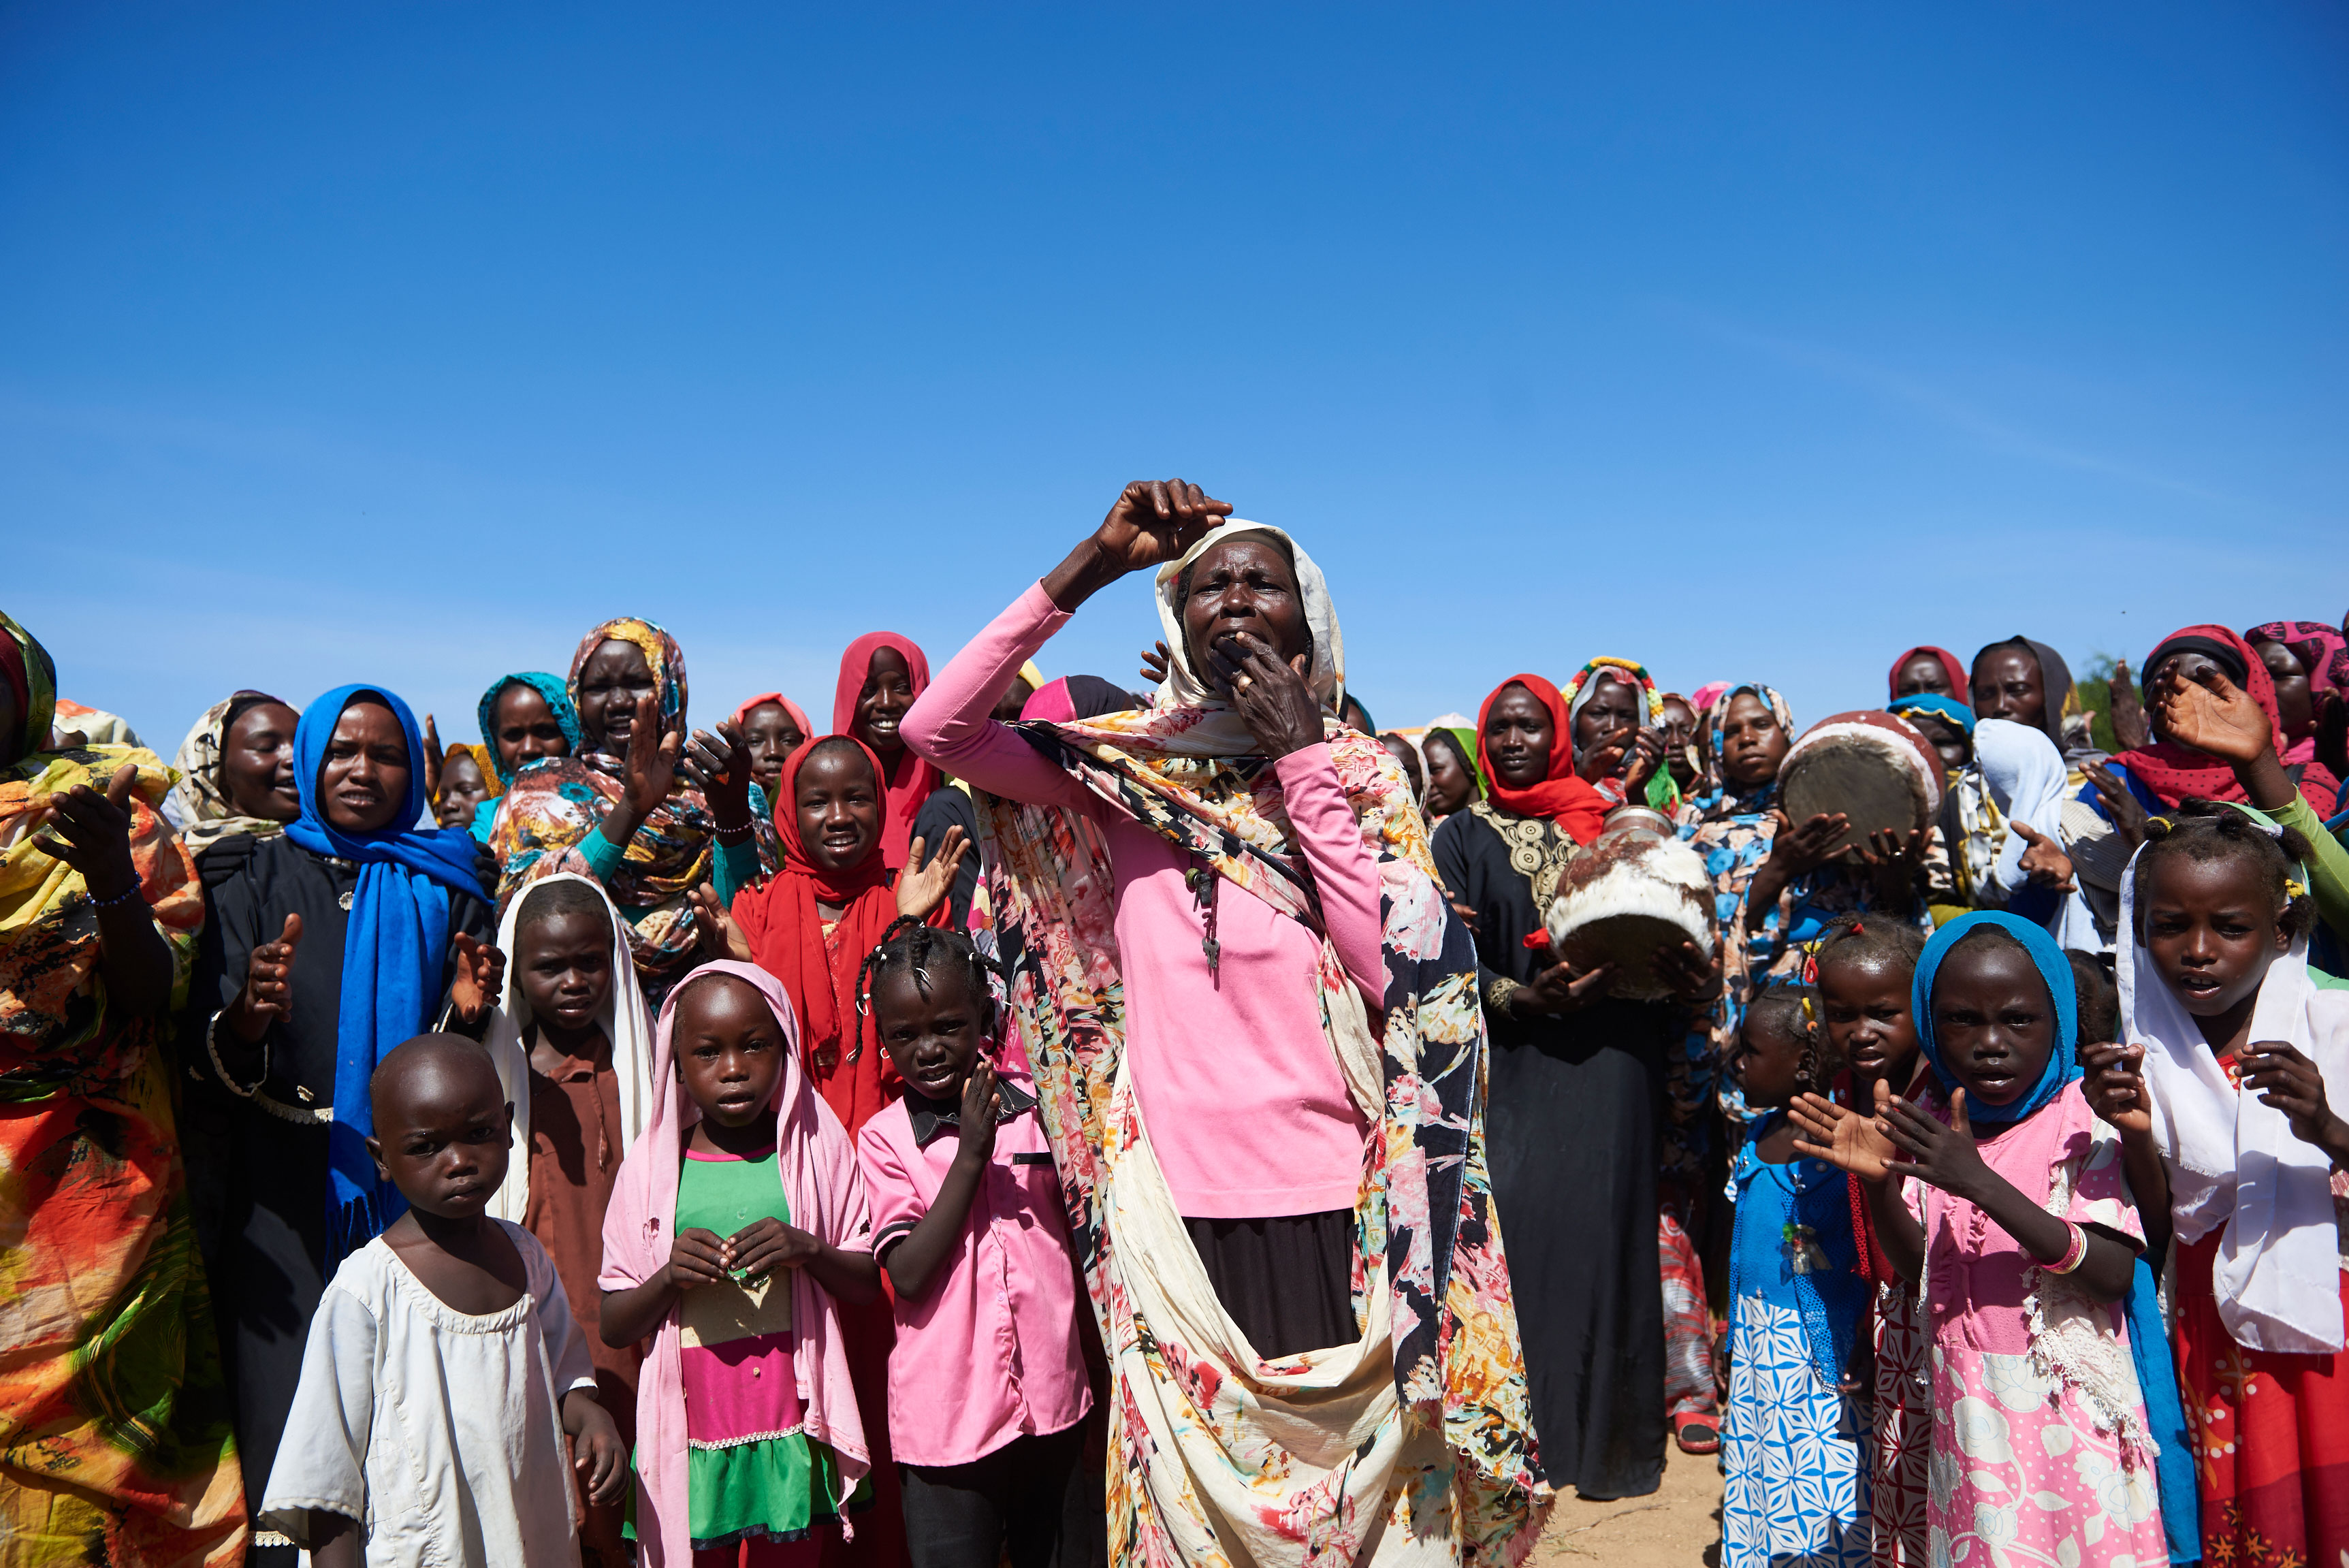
(393, 953)
(1937, 705)
(558, 698)
(2062, 1057)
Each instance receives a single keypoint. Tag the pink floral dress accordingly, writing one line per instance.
(2036, 1459)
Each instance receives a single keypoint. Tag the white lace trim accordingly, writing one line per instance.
(739, 1442)
(2071, 1344)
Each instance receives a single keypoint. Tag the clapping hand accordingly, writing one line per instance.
(2212, 714)
(90, 831)
(268, 992)
(1843, 1137)
(2044, 862)
(1802, 850)
(922, 888)
(715, 930)
(1563, 988)
(1943, 1157)
(718, 765)
(652, 760)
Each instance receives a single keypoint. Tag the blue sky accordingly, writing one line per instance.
(403, 343)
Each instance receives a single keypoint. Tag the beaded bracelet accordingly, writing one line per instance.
(2073, 1255)
(125, 896)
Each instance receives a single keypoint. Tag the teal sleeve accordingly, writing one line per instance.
(602, 855)
(2328, 863)
(736, 866)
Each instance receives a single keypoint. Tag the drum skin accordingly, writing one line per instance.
(1872, 767)
(1626, 899)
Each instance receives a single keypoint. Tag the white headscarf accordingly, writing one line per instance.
(2232, 1158)
(2019, 774)
(623, 1020)
(1186, 688)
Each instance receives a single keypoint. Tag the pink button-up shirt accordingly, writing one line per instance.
(989, 1352)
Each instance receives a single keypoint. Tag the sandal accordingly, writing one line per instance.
(1697, 1432)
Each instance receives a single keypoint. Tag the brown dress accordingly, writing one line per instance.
(575, 1154)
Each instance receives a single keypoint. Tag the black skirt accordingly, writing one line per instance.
(1288, 1282)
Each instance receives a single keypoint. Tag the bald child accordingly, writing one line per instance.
(444, 1370)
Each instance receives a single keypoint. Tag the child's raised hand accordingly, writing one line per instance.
(1944, 1157)
(2212, 714)
(981, 1105)
(1844, 1138)
(719, 936)
(2114, 1082)
(2044, 862)
(922, 888)
(599, 1455)
(696, 1258)
(2289, 1081)
(763, 1246)
(480, 978)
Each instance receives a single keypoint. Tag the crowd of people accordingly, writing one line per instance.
(1032, 1119)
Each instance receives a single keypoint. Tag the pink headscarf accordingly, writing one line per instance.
(818, 1167)
(798, 714)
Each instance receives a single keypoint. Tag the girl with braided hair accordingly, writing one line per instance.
(1796, 1469)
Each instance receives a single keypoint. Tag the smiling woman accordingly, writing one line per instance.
(236, 773)
(331, 944)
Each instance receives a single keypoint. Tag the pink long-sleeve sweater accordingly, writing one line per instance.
(1247, 1111)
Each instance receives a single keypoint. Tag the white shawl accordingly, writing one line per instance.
(624, 1023)
(2233, 1159)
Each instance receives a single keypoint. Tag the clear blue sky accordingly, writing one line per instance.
(402, 342)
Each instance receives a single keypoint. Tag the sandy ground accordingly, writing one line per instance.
(1679, 1527)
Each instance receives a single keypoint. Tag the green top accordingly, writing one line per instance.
(2328, 865)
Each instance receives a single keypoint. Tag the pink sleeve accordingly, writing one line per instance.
(949, 723)
(897, 1206)
(2101, 1194)
(1345, 871)
(625, 1262)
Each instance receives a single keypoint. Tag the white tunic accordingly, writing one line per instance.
(441, 1432)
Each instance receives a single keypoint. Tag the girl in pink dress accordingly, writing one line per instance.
(2021, 1239)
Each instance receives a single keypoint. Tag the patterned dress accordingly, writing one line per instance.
(1904, 1429)
(1796, 1492)
(2040, 1450)
(114, 1421)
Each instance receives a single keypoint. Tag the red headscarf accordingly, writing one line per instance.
(798, 714)
(1563, 798)
(2177, 773)
(819, 968)
(1950, 662)
(908, 780)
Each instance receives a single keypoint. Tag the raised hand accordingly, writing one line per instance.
(2288, 1081)
(432, 751)
(715, 930)
(2127, 713)
(1844, 1138)
(1153, 521)
(981, 1105)
(480, 978)
(2127, 815)
(90, 831)
(1943, 1157)
(719, 766)
(2212, 714)
(2044, 862)
(1268, 693)
(1888, 847)
(2113, 1078)
(1799, 851)
(652, 760)
(1640, 762)
(1156, 663)
(268, 994)
(922, 888)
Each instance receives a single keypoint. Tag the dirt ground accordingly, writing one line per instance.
(1679, 1527)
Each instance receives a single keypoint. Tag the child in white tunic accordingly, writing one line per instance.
(444, 1368)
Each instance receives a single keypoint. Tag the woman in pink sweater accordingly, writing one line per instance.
(1229, 956)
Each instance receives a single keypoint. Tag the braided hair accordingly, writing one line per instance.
(1792, 1010)
(911, 946)
(2212, 830)
(1869, 940)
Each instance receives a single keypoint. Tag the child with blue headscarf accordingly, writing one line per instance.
(2003, 1200)
(335, 943)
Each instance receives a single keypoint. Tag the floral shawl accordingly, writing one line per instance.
(114, 1399)
(203, 808)
(1434, 1399)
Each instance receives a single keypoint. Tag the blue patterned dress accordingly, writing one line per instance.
(1792, 1447)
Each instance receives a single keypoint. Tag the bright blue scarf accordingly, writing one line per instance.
(393, 954)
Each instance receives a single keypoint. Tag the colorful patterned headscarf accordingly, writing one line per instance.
(2321, 650)
(1661, 792)
(1720, 806)
(661, 653)
(557, 694)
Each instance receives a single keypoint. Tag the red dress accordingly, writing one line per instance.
(2270, 1431)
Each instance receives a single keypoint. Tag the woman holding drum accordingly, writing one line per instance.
(1575, 1080)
